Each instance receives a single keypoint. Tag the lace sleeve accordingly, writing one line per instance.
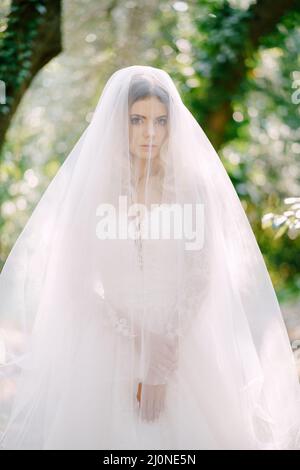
(165, 347)
(193, 291)
(112, 317)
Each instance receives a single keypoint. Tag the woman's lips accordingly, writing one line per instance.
(148, 146)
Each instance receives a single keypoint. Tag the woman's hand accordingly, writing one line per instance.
(151, 400)
(162, 354)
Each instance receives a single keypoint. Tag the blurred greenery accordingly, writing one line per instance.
(239, 78)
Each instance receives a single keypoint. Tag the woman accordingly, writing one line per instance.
(136, 308)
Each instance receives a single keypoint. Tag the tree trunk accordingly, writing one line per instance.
(263, 18)
(32, 38)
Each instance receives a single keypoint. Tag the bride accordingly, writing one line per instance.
(136, 308)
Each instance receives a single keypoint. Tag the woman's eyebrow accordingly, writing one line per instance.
(140, 115)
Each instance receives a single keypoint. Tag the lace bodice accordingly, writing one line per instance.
(126, 292)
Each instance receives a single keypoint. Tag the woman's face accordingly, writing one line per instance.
(148, 127)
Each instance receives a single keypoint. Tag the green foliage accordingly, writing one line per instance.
(16, 45)
(288, 221)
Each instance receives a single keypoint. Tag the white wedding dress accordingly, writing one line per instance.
(103, 405)
(99, 403)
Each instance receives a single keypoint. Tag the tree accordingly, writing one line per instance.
(31, 39)
(228, 41)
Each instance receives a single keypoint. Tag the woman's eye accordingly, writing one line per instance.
(135, 120)
(163, 121)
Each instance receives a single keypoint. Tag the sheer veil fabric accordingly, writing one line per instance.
(111, 338)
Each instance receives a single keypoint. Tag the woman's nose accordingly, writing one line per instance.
(149, 130)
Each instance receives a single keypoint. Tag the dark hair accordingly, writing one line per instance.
(141, 88)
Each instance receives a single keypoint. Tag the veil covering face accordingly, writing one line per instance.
(136, 310)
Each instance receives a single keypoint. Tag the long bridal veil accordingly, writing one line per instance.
(136, 308)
